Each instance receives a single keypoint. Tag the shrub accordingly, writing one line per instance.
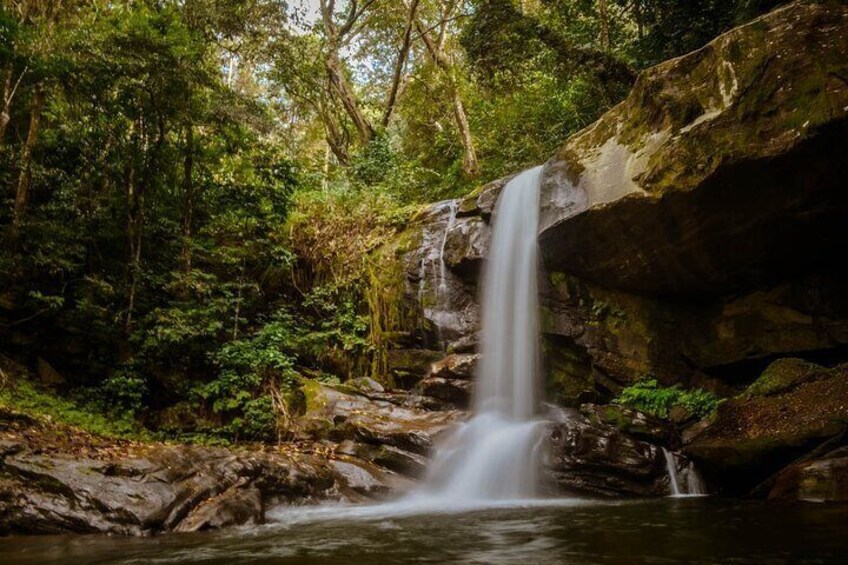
(124, 392)
(253, 372)
(649, 397)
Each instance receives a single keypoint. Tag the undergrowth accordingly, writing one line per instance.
(25, 396)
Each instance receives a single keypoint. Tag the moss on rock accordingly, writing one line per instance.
(782, 375)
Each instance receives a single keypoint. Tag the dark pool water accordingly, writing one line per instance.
(696, 530)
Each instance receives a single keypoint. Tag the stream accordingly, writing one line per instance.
(669, 530)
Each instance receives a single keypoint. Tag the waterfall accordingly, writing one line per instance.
(433, 273)
(494, 455)
(671, 468)
(443, 280)
(693, 485)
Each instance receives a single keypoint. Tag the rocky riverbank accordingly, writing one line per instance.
(355, 446)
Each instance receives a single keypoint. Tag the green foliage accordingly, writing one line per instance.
(82, 412)
(124, 392)
(651, 398)
(250, 370)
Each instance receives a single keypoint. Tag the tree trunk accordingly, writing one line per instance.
(188, 198)
(403, 54)
(335, 70)
(22, 193)
(6, 102)
(603, 12)
(334, 137)
(637, 11)
(133, 237)
(470, 165)
(340, 85)
(136, 192)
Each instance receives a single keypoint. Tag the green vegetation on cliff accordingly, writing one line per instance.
(652, 398)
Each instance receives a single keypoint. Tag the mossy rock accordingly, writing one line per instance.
(782, 375)
(752, 437)
(698, 183)
(314, 395)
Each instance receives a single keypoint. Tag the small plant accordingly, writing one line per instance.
(124, 392)
(649, 397)
(256, 374)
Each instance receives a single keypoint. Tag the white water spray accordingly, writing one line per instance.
(692, 484)
(494, 456)
(443, 277)
(433, 272)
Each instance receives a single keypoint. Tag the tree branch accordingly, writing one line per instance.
(400, 64)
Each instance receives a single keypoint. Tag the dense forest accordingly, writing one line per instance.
(194, 191)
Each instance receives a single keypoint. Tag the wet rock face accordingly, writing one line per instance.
(586, 456)
(156, 488)
(450, 249)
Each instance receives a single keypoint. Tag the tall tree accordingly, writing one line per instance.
(436, 49)
(337, 35)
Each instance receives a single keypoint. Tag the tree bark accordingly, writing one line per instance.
(603, 13)
(341, 86)
(136, 191)
(22, 192)
(334, 137)
(133, 236)
(403, 54)
(335, 71)
(6, 101)
(470, 165)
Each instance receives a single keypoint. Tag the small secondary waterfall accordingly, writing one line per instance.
(493, 456)
(443, 278)
(437, 302)
(693, 485)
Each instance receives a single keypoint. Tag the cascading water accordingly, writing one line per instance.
(494, 455)
(671, 469)
(692, 484)
(443, 278)
(433, 272)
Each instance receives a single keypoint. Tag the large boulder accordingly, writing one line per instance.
(154, 488)
(721, 170)
(55, 478)
(823, 479)
(339, 415)
(692, 230)
(450, 380)
(586, 455)
(236, 506)
(753, 436)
